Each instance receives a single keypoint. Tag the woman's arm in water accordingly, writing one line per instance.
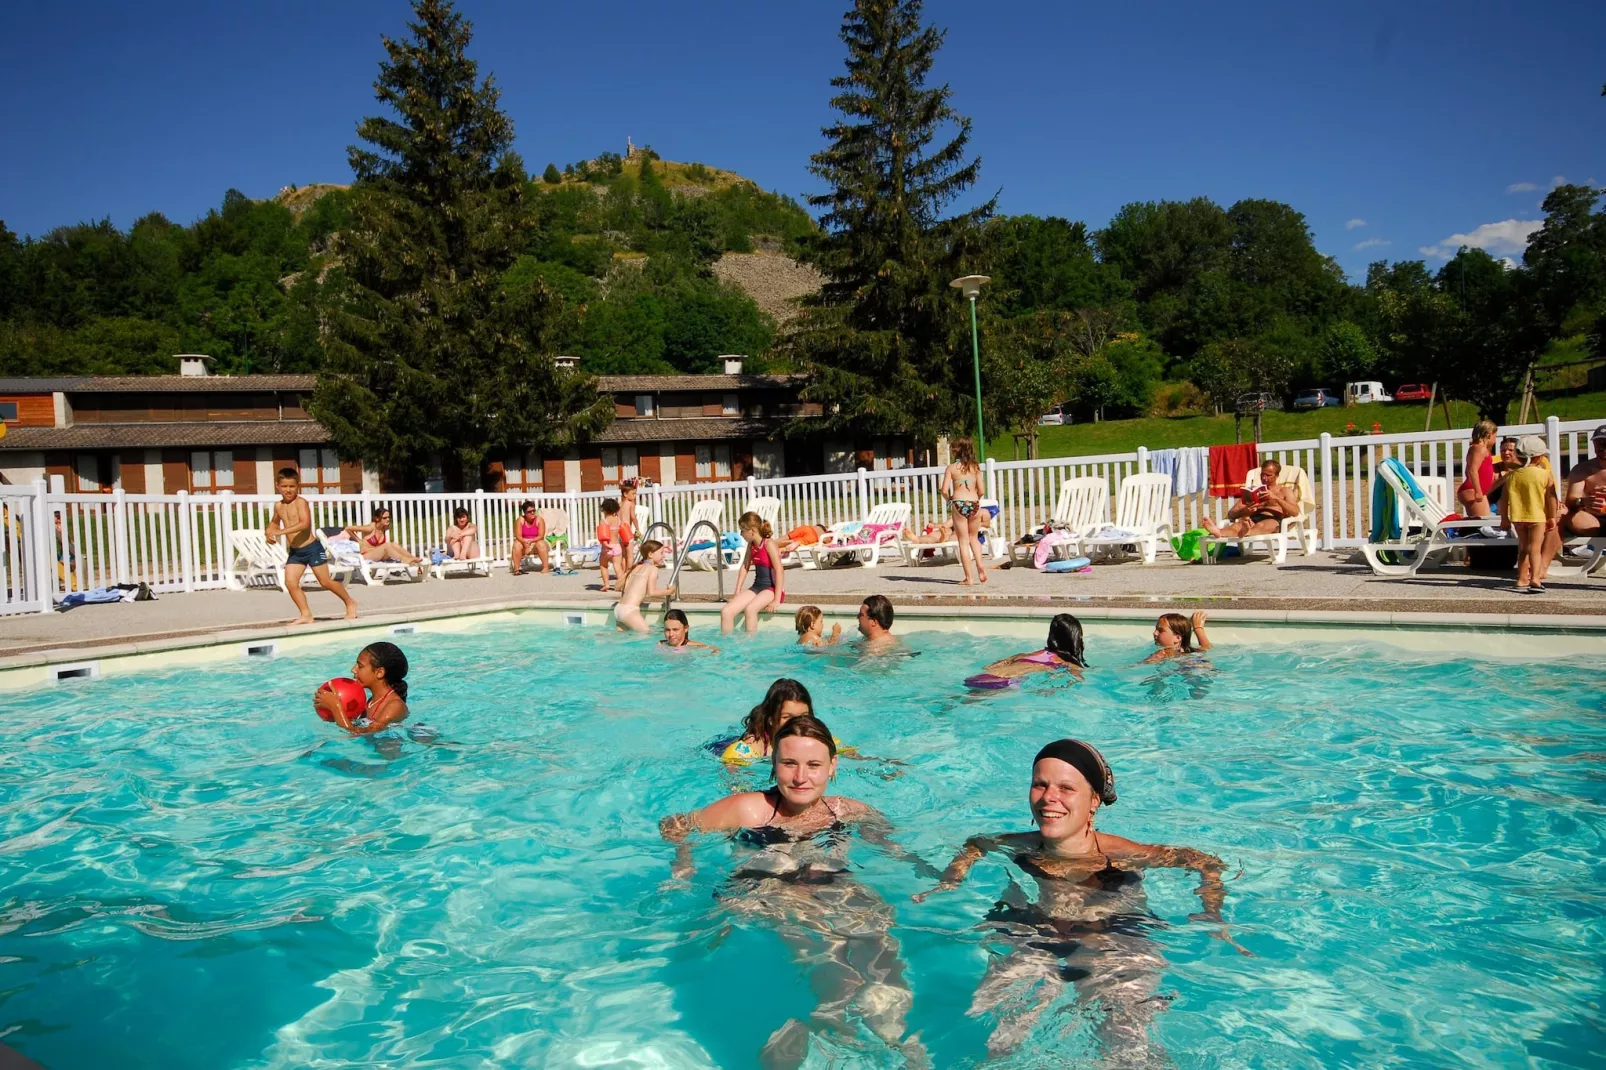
(726, 815)
(971, 853)
(1212, 892)
(874, 828)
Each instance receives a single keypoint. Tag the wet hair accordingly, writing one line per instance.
(879, 609)
(1065, 639)
(610, 506)
(1085, 759)
(459, 513)
(679, 617)
(379, 511)
(290, 474)
(754, 522)
(806, 618)
(762, 720)
(1181, 627)
(965, 453)
(809, 727)
(388, 658)
(1483, 429)
(527, 505)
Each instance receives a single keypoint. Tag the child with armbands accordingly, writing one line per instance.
(380, 671)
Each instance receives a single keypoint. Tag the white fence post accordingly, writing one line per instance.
(1553, 440)
(864, 495)
(752, 487)
(120, 548)
(225, 538)
(1326, 477)
(1143, 459)
(186, 541)
(43, 564)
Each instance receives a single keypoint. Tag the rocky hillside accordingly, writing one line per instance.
(774, 281)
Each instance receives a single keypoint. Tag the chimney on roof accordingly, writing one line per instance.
(733, 363)
(194, 364)
(566, 364)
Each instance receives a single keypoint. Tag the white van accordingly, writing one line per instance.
(1366, 391)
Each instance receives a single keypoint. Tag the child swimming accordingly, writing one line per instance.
(810, 623)
(1177, 635)
(381, 668)
(640, 585)
(1063, 650)
(677, 633)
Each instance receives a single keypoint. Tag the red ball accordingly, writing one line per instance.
(353, 698)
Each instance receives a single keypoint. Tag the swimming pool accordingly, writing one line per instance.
(199, 873)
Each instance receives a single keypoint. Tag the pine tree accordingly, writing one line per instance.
(432, 359)
(881, 339)
(551, 176)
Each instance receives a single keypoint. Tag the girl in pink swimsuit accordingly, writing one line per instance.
(1063, 651)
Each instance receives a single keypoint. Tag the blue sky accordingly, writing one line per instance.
(1411, 126)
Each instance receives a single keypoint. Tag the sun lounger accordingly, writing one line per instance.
(1409, 527)
(1142, 521)
(1084, 504)
(1294, 530)
(711, 557)
(257, 560)
(946, 553)
(880, 530)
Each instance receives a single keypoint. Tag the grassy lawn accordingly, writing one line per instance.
(1124, 436)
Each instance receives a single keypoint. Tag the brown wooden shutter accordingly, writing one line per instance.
(134, 471)
(351, 477)
(245, 470)
(175, 471)
(648, 465)
(591, 473)
(552, 476)
(496, 477)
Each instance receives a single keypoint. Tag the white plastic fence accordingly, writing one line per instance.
(180, 542)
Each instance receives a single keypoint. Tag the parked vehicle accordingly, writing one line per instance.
(1367, 391)
(1413, 392)
(1258, 399)
(1318, 397)
(1056, 416)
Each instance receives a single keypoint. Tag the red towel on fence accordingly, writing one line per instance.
(1229, 465)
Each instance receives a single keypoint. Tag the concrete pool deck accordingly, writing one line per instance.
(1330, 586)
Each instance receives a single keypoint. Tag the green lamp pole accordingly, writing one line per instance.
(970, 286)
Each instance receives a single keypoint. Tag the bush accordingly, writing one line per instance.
(1179, 399)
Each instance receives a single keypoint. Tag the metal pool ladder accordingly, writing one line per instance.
(684, 547)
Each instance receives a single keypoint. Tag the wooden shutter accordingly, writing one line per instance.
(175, 471)
(496, 477)
(134, 471)
(591, 473)
(552, 476)
(649, 466)
(245, 470)
(351, 477)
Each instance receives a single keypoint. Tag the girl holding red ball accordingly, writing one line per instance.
(381, 671)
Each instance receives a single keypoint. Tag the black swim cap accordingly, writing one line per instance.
(1086, 759)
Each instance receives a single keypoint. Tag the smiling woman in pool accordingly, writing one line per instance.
(1091, 917)
(795, 875)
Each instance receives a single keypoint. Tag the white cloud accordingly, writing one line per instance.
(1352, 224)
(1507, 236)
(1508, 263)
(1559, 180)
(1372, 243)
(1521, 187)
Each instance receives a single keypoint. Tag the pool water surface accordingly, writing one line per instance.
(198, 873)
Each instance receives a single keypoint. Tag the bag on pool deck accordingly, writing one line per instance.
(1187, 545)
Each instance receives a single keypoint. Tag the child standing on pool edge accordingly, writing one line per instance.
(292, 521)
(769, 578)
(1534, 508)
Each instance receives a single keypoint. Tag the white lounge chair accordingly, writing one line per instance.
(710, 557)
(256, 559)
(1295, 530)
(1083, 505)
(840, 546)
(1409, 528)
(1142, 520)
(1590, 555)
(471, 566)
(947, 553)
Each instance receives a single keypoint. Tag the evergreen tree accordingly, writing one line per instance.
(433, 359)
(880, 340)
(551, 175)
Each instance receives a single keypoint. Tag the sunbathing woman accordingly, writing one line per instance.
(463, 537)
(931, 534)
(810, 622)
(794, 873)
(382, 669)
(1090, 923)
(1177, 635)
(1062, 651)
(378, 546)
(641, 585)
(763, 556)
(677, 633)
(529, 539)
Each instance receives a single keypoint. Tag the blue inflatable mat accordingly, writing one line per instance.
(1072, 564)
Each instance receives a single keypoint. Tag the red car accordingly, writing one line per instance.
(1412, 392)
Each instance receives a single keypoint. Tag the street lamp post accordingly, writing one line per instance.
(970, 286)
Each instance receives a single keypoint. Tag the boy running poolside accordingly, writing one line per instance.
(292, 520)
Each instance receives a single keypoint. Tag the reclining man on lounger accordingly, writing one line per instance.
(1260, 511)
(1585, 497)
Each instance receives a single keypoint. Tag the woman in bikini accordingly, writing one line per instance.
(641, 585)
(1062, 651)
(1473, 493)
(794, 874)
(529, 537)
(963, 487)
(763, 556)
(377, 545)
(1090, 923)
(382, 669)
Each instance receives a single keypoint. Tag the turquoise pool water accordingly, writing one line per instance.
(199, 873)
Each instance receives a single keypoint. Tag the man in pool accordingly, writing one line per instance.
(875, 624)
(1090, 922)
(677, 633)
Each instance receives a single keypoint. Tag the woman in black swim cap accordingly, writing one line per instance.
(1089, 924)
